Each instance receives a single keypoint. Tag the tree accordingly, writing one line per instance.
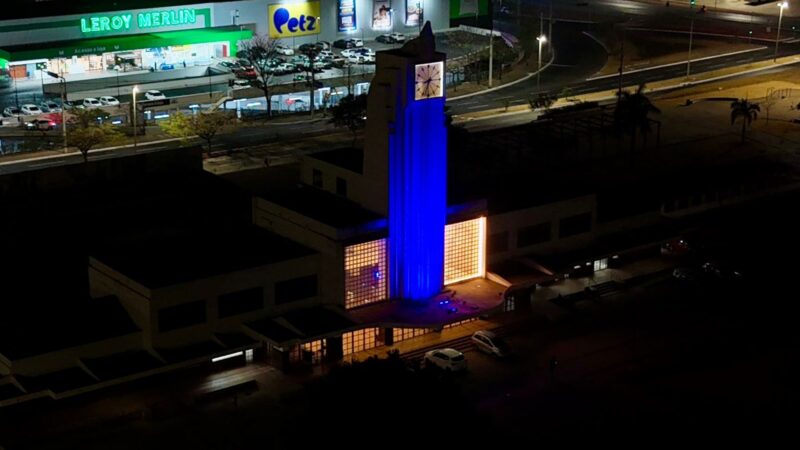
(258, 52)
(351, 112)
(632, 114)
(311, 52)
(205, 125)
(90, 129)
(745, 110)
(542, 100)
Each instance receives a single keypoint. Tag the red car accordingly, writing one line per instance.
(246, 72)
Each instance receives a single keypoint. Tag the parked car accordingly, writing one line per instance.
(365, 51)
(675, 247)
(324, 45)
(107, 100)
(308, 47)
(91, 103)
(355, 59)
(30, 110)
(385, 39)
(154, 95)
(285, 68)
(241, 84)
(344, 43)
(324, 54)
(228, 65)
(447, 359)
(490, 343)
(398, 37)
(721, 270)
(40, 125)
(50, 106)
(246, 72)
(357, 42)
(284, 50)
(69, 104)
(167, 66)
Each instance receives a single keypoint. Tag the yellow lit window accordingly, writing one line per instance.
(365, 273)
(360, 340)
(465, 250)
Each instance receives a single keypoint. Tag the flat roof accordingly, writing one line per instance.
(48, 322)
(273, 330)
(324, 207)
(348, 158)
(174, 258)
(122, 364)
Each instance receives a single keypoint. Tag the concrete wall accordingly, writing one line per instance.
(68, 357)
(512, 222)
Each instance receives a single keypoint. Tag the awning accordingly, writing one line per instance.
(97, 46)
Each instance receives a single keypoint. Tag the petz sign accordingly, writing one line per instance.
(294, 19)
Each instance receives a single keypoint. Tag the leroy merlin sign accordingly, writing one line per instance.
(145, 20)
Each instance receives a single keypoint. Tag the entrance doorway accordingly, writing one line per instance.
(600, 264)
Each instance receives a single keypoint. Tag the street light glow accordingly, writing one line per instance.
(542, 39)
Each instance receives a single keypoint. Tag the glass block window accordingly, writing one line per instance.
(401, 334)
(365, 272)
(360, 340)
(459, 323)
(464, 250)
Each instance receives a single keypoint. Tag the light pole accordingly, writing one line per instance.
(782, 6)
(542, 39)
(689, 60)
(63, 83)
(135, 131)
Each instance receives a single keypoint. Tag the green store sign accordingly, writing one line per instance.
(143, 21)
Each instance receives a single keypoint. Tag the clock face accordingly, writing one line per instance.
(428, 80)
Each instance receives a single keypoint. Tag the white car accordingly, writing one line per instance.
(12, 111)
(285, 68)
(324, 54)
(91, 103)
(154, 95)
(358, 42)
(241, 84)
(355, 59)
(284, 50)
(109, 101)
(349, 52)
(490, 343)
(30, 110)
(50, 106)
(447, 359)
(398, 37)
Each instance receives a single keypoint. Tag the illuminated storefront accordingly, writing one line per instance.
(465, 250)
(365, 273)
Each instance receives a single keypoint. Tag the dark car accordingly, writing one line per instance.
(166, 66)
(344, 43)
(385, 39)
(305, 48)
(246, 72)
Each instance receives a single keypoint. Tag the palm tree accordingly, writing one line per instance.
(632, 113)
(745, 109)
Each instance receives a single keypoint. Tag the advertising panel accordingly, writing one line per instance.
(346, 15)
(293, 19)
(413, 13)
(381, 15)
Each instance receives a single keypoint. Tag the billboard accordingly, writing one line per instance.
(381, 15)
(413, 13)
(346, 15)
(293, 19)
(468, 8)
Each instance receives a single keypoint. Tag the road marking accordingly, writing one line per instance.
(475, 107)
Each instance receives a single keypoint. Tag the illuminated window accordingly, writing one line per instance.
(401, 334)
(311, 352)
(461, 322)
(464, 250)
(360, 340)
(365, 273)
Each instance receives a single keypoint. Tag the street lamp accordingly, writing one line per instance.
(782, 6)
(135, 90)
(63, 105)
(542, 39)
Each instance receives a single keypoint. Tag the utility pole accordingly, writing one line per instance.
(689, 60)
(782, 6)
(491, 43)
(63, 108)
(621, 59)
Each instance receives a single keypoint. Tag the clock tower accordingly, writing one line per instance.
(406, 162)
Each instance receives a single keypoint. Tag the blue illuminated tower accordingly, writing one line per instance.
(406, 159)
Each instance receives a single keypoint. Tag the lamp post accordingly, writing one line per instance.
(782, 6)
(135, 131)
(542, 39)
(63, 83)
(689, 60)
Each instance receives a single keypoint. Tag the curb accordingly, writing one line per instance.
(525, 78)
